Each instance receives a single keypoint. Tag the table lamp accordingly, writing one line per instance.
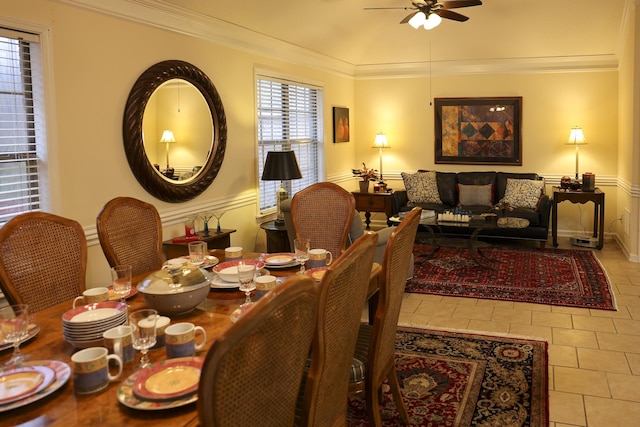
(281, 165)
(167, 138)
(381, 142)
(576, 137)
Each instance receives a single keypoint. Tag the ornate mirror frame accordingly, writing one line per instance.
(157, 185)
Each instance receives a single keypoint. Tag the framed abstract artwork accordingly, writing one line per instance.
(478, 131)
(340, 124)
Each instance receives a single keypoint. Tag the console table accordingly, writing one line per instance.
(373, 202)
(214, 241)
(596, 196)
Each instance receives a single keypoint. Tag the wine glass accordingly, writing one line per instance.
(14, 323)
(302, 247)
(143, 332)
(121, 277)
(246, 276)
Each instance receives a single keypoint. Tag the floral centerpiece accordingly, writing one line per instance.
(365, 174)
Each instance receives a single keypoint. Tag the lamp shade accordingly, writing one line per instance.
(432, 21)
(576, 137)
(281, 165)
(167, 136)
(417, 20)
(381, 141)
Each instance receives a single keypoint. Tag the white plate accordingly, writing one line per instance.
(218, 283)
(279, 259)
(62, 374)
(20, 383)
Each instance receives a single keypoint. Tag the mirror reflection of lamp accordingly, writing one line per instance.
(168, 138)
(280, 166)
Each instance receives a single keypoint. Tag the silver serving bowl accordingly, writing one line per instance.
(175, 292)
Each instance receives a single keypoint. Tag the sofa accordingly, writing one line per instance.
(481, 192)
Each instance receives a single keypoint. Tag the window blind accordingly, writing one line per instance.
(19, 178)
(289, 118)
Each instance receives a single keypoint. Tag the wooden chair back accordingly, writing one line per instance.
(43, 260)
(253, 371)
(130, 233)
(376, 343)
(343, 292)
(323, 213)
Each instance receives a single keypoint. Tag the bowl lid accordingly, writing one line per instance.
(186, 279)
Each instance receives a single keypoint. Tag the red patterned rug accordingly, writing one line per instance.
(461, 379)
(573, 278)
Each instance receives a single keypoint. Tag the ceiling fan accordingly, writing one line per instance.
(429, 13)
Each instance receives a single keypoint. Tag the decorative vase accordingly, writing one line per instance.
(364, 186)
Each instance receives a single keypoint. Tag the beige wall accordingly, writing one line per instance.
(96, 59)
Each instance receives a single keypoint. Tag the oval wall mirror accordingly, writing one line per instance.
(174, 131)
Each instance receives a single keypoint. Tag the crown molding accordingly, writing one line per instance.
(160, 14)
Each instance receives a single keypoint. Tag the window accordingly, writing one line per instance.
(20, 130)
(289, 118)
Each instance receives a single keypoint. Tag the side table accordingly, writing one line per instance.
(214, 241)
(373, 202)
(596, 196)
(277, 237)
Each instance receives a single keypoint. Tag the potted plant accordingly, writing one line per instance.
(365, 174)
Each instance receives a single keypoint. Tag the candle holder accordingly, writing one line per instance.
(218, 215)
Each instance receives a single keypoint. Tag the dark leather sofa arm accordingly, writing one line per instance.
(544, 209)
(399, 199)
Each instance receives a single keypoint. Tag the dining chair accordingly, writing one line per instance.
(323, 213)
(374, 359)
(253, 371)
(343, 291)
(43, 260)
(130, 232)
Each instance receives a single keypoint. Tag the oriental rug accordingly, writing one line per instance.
(567, 277)
(452, 379)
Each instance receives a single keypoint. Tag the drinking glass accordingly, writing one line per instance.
(246, 276)
(143, 332)
(302, 247)
(121, 277)
(14, 323)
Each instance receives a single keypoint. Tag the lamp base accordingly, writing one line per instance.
(279, 222)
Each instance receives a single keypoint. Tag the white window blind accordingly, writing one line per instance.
(289, 118)
(20, 73)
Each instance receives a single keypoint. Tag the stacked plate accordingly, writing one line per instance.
(281, 260)
(84, 325)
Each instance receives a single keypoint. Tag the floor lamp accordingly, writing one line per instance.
(381, 142)
(280, 166)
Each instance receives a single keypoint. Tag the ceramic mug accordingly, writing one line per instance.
(264, 284)
(161, 326)
(319, 258)
(180, 339)
(92, 295)
(118, 341)
(233, 253)
(91, 369)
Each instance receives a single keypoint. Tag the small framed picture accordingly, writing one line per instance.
(340, 124)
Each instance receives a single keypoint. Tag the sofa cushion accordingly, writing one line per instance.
(421, 187)
(501, 181)
(523, 193)
(478, 195)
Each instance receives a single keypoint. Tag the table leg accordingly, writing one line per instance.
(601, 226)
(433, 243)
(473, 249)
(367, 219)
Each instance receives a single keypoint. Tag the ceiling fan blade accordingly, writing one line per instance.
(453, 4)
(443, 13)
(408, 17)
(386, 8)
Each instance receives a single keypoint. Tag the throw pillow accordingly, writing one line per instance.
(523, 193)
(421, 187)
(475, 195)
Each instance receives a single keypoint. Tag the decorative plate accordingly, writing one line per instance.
(31, 332)
(209, 261)
(259, 264)
(217, 283)
(169, 379)
(96, 312)
(279, 259)
(316, 273)
(62, 373)
(126, 396)
(16, 384)
(239, 312)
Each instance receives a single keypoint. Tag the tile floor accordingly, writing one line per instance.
(594, 355)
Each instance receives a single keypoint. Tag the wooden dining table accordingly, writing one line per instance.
(66, 407)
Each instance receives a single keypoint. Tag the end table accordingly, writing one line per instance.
(277, 237)
(596, 196)
(373, 202)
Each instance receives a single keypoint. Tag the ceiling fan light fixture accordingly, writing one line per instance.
(432, 21)
(418, 20)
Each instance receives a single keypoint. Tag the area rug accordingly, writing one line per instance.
(573, 278)
(463, 379)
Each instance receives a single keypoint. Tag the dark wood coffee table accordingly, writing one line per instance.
(470, 231)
